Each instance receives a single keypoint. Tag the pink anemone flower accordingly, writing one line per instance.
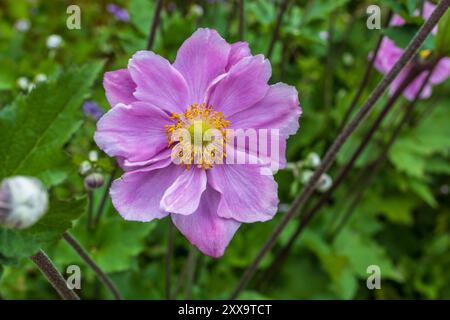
(211, 85)
(389, 53)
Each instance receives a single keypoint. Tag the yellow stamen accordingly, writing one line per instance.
(202, 123)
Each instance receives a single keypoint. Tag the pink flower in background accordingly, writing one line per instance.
(389, 53)
(212, 84)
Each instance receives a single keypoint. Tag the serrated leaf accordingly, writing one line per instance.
(35, 127)
(23, 243)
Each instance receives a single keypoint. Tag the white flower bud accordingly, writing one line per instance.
(196, 10)
(324, 183)
(93, 156)
(40, 78)
(313, 160)
(23, 201)
(93, 181)
(85, 167)
(23, 83)
(306, 176)
(54, 41)
(323, 35)
(22, 25)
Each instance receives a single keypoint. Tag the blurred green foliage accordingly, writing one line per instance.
(402, 224)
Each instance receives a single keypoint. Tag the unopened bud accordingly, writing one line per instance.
(306, 176)
(85, 167)
(93, 181)
(23, 201)
(324, 183)
(93, 156)
(313, 160)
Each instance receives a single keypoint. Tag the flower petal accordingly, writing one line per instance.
(137, 194)
(135, 132)
(200, 59)
(184, 194)
(158, 82)
(239, 50)
(441, 71)
(204, 229)
(247, 195)
(279, 109)
(387, 56)
(119, 87)
(243, 86)
(128, 165)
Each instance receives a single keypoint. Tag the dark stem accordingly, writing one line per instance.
(53, 276)
(276, 30)
(169, 254)
(91, 263)
(343, 173)
(330, 156)
(369, 173)
(105, 195)
(241, 20)
(364, 81)
(154, 26)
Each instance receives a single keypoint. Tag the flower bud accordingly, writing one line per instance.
(22, 25)
(85, 167)
(313, 160)
(324, 183)
(93, 181)
(93, 156)
(306, 176)
(54, 41)
(23, 83)
(23, 201)
(40, 77)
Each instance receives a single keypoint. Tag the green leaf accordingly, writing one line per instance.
(402, 35)
(141, 14)
(443, 36)
(34, 128)
(24, 243)
(114, 245)
(362, 252)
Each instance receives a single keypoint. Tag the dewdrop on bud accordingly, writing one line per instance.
(23, 201)
(54, 41)
(324, 183)
(313, 160)
(85, 167)
(93, 156)
(93, 181)
(306, 176)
